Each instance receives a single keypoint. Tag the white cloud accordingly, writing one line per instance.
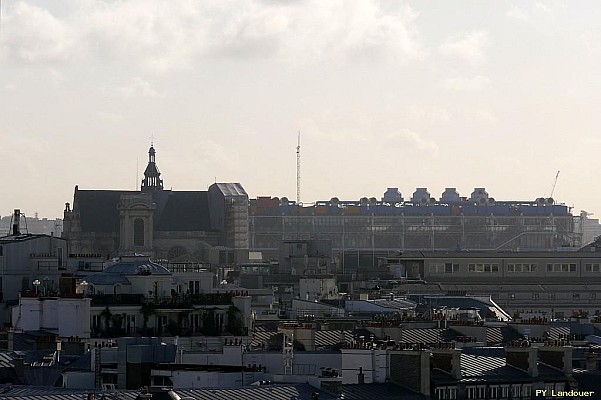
(31, 35)
(473, 84)
(423, 113)
(56, 76)
(589, 42)
(470, 48)
(110, 116)
(543, 7)
(30, 151)
(517, 13)
(162, 36)
(479, 115)
(533, 13)
(411, 138)
(138, 87)
(207, 153)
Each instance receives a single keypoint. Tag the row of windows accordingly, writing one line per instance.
(499, 392)
(521, 267)
(513, 267)
(127, 321)
(483, 392)
(553, 296)
(557, 267)
(483, 267)
(447, 268)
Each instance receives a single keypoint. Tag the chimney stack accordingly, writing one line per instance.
(19, 368)
(360, 376)
(447, 359)
(16, 220)
(411, 369)
(591, 361)
(522, 356)
(557, 353)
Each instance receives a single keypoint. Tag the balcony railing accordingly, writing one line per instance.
(117, 299)
(176, 301)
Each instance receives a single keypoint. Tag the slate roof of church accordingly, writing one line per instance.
(98, 209)
(175, 210)
(183, 211)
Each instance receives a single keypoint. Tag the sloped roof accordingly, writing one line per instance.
(332, 338)
(266, 392)
(262, 335)
(98, 209)
(128, 267)
(380, 391)
(428, 336)
(175, 211)
(478, 366)
(182, 211)
(558, 332)
(232, 189)
(103, 278)
(24, 237)
(400, 304)
(501, 334)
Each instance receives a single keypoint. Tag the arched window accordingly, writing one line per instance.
(176, 251)
(138, 232)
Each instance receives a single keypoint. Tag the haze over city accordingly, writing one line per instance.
(412, 94)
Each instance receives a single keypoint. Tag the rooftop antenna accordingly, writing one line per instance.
(298, 170)
(554, 183)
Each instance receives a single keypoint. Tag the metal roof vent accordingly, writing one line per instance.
(478, 195)
(421, 196)
(450, 195)
(392, 195)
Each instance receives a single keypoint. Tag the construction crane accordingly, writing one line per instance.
(298, 170)
(554, 183)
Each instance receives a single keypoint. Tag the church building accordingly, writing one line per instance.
(175, 226)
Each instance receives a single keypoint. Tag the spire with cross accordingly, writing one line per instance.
(152, 176)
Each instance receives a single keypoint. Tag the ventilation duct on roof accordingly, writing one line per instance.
(450, 195)
(421, 196)
(478, 194)
(392, 195)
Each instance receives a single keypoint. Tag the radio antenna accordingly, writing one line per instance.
(298, 170)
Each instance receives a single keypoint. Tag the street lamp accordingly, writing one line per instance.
(36, 283)
(84, 285)
(46, 279)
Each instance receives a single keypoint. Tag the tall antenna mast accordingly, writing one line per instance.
(554, 184)
(298, 170)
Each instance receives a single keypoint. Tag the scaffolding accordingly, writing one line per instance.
(423, 232)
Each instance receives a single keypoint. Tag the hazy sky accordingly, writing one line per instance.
(435, 94)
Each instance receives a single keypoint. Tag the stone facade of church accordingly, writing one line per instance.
(178, 226)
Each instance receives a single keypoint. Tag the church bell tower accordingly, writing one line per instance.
(152, 177)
